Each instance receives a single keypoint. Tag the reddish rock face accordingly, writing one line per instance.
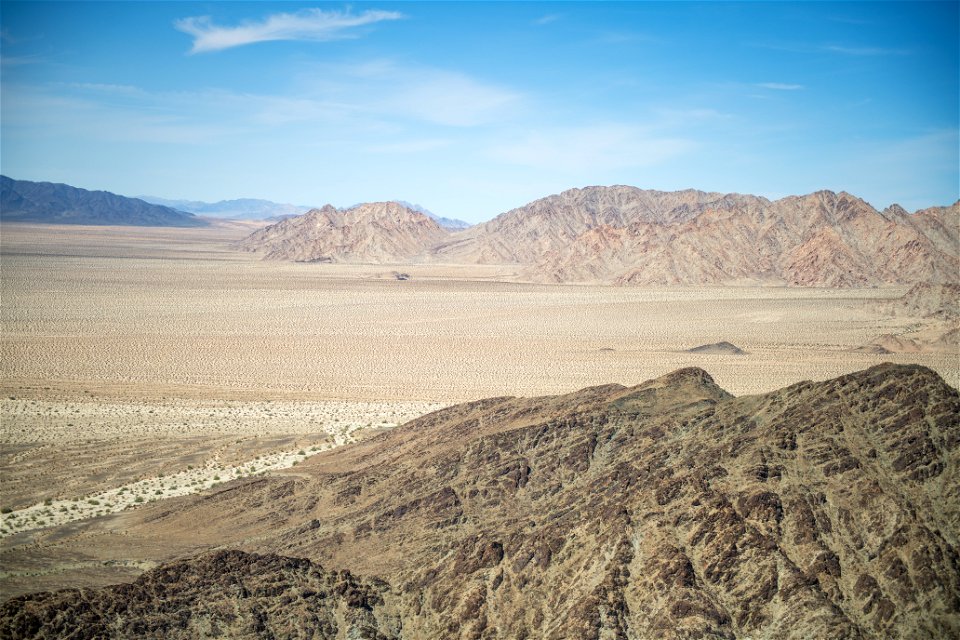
(666, 510)
(632, 236)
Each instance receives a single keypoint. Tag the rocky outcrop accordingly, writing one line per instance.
(666, 510)
(228, 594)
(722, 348)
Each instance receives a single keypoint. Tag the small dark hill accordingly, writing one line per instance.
(723, 347)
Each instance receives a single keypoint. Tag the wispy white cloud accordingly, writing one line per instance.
(66, 115)
(309, 24)
(591, 148)
(387, 89)
(19, 61)
(674, 116)
(547, 19)
(105, 88)
(832, 48)
(410, 146)
(451, 99)
(863, 51)
(780, 86)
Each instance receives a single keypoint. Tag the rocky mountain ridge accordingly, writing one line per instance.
(384, 232)
(49, 203)
(630, 236)
(666, 510)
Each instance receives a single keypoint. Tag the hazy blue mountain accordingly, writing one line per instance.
(448, 223)
(46, 202)
(239, 209)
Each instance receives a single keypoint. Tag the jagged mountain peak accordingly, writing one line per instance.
(383, 232)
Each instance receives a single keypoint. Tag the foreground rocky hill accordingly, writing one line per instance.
(228, 594)
(373, 232)
(666, 510)
(49, 203)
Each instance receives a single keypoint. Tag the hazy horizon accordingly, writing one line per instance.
(472, 109)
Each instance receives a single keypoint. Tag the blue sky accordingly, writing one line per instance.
(471, 109)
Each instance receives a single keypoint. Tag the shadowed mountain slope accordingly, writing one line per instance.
(227, 594)
(666, 510)
(372, 232)
(45, 202)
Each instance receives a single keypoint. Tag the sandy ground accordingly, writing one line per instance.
(139, 364)
(197, 319)
(63, 460)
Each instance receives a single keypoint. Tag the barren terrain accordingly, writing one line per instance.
(88, 309)
(666, 510)
(151, 363)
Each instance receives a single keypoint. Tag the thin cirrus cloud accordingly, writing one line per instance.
(309, 24)
(591, 147)
(863, 51)
(780, 86)
(832, 48)
(424, 94)
(547, 19)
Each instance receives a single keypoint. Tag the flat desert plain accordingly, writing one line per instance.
(140, 364)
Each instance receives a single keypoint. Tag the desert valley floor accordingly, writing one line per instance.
(140, 364)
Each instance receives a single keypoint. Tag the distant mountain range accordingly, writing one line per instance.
(626, 235)
(239, 209)
(447, 223)
(46, 202)
(255, 209)
(26, 201)
(605, 234)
